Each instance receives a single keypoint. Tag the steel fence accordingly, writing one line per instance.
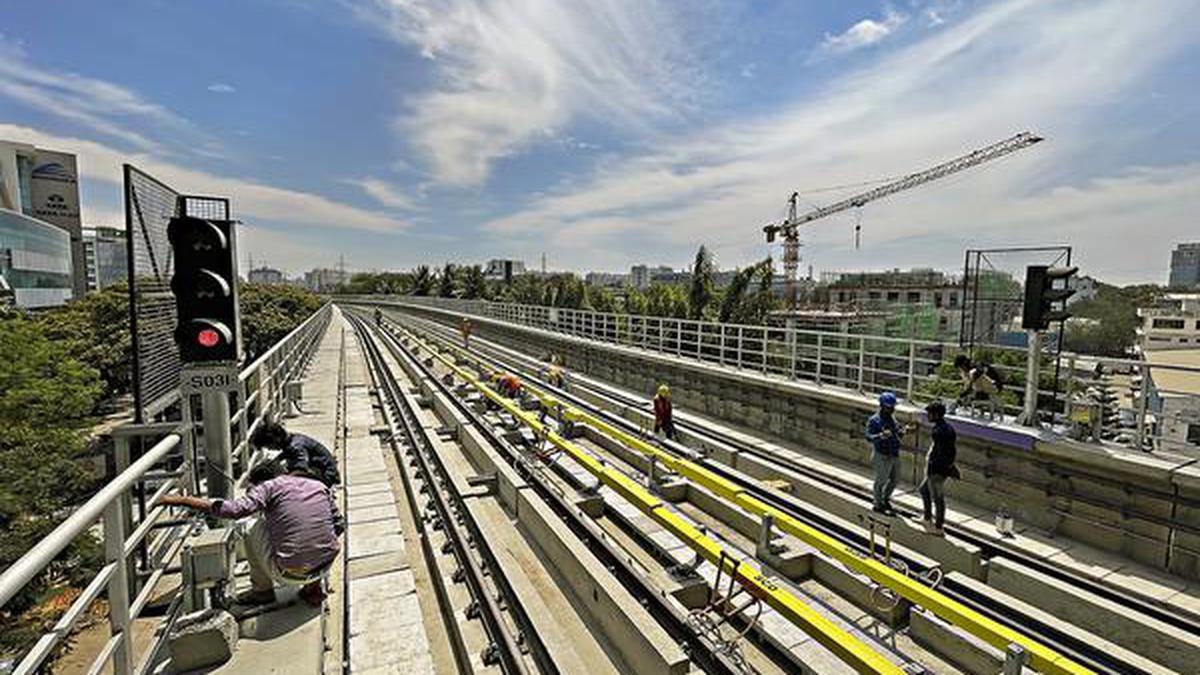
(170, 464)
(918, 370)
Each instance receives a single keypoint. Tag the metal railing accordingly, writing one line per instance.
(140, 544)
(918, 370)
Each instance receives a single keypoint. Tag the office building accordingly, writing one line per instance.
(265, 275)
(105, 257)
(325, 280)
(641, 276)
(1172, 323)
(503, 270)
(44, 184)
(35, 261)
(1185, 266)
(607, 279)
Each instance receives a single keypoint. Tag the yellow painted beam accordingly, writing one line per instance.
(844, 645)
(1041, 657)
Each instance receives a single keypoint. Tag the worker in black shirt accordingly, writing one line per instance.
(298, 452)
(939, 466)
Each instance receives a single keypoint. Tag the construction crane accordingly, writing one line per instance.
(789, 229)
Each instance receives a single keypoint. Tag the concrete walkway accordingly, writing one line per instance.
(387, 634)
(293, 637)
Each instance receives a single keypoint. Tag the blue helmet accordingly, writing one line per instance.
(887, 399)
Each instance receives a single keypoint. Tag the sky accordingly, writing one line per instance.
(609, 133)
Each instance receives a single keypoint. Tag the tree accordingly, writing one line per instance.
(381, 283)
(732, 305)
(45, 398)
(701, 295)
(270, 312)
(474, 284)
(447, 285)
(95, 330)
(1108, 322)
(423, 281)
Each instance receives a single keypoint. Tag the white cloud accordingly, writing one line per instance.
(864, 33)
(221, 88)
(97, 104)
(251, 199)
(383, 192)
(1050, 67)
(510, 74)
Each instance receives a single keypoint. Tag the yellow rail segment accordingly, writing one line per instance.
(1041, 658)
(854, 652)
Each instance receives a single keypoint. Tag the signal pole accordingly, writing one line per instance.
(208, 333)
(1042, 299)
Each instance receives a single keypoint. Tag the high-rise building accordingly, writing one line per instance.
(35, 261)
(44, 184)
(105, 257)
(1185, 266)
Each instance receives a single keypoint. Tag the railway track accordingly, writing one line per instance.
(513, 643)
(1080, 651)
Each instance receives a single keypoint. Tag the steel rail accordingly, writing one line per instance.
(1041, 657)
(1087, 653)
(615, 559)
(843, 644)
(506, 646)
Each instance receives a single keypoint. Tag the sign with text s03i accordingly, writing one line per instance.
(207, 378)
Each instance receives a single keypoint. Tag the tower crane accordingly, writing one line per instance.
(789, 229)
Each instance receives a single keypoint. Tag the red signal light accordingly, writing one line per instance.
(208, 338)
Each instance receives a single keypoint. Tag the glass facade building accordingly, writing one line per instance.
(35, 260)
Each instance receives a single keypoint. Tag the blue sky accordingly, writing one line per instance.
(615, 132)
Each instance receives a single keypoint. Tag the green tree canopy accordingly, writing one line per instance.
(270, 312)
(95, 330)
(701, 295)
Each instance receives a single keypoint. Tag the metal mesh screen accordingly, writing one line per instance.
(149, 206)
(994, 293)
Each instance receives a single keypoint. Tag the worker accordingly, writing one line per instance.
(939, 465)
(981, 384)
(299, 452)
(509, 385)
(555, 375)
(664, 418)
(885, 433)
(378, 317)
(465, 329)
(294, 538)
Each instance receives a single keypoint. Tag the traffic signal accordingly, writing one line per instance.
(205, 288)
(1043, 296)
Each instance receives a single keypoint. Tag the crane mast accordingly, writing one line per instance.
(789, 228)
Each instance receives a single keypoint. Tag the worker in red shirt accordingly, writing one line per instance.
(663, 417)
(508, 384)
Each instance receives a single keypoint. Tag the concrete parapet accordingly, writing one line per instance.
(1165, 644)
(1114, 499)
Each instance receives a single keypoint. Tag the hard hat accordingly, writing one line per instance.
(887, 399)
(664, 390)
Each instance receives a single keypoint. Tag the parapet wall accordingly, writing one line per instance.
(1140, 506)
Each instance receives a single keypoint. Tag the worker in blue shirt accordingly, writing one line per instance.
(885, 433)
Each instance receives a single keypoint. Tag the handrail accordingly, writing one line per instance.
(1162, 417)
(37, 558)
(111, 504)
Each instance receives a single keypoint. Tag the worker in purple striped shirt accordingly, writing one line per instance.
(293, 540)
